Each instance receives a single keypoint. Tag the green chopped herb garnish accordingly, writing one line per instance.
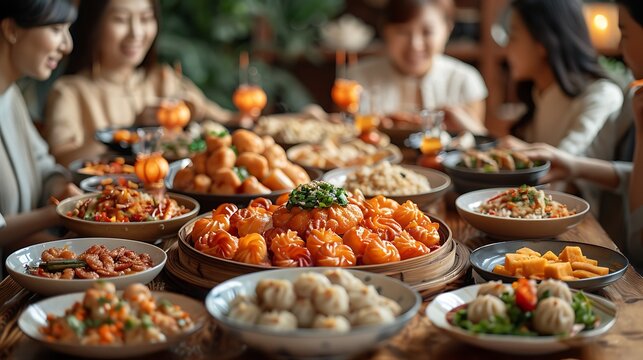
(583, 310)
(76, 325)
(242, 172)
(317, 194)
(197, 145)
(222, 133)
(146, 320)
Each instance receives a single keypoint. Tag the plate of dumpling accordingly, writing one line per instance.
(522, 318)
(313, 313)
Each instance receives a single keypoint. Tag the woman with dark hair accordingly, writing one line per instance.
(624, 178)
(566, 91)
(34, 37)
(113, 78)
(415, 74)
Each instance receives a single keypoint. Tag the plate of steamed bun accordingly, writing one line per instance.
(313, 312)
(524, 317)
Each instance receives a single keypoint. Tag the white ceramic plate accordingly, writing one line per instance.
(510, 228)
(438, 181)
(35, 317)
(30, 255)
(309, 343)
(519, 345)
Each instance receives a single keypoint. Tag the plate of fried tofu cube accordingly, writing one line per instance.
(581, 266)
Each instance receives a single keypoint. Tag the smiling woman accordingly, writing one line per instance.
(113, 79)
(34, 36)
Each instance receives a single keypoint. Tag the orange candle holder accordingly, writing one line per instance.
(250, 99)
(152, 169)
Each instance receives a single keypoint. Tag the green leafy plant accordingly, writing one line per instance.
(206, 36)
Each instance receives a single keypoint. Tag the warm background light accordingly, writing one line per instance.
(602, 20)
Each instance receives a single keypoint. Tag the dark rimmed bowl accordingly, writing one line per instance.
(211, 201)
(485, 258)
(466, 180)
(76, 165)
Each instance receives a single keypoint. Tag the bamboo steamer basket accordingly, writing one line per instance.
(211, 270)
(452, 278)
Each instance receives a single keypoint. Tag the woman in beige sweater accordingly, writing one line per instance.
(113, 79)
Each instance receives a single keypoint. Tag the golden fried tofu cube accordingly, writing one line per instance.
(549, 255)
(599, 270)
(569, 278)
(500, 269)
(534, 266)
(514, 261)
(591, 261)
(571, 254)
(558, 270)
(527, 251)
(518, 272)
(583, 274)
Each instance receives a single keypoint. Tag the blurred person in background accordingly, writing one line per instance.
(567, 93)
(625, 178)
(415, 74)
(113, 79)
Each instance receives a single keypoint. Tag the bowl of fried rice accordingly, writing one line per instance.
(521, 213)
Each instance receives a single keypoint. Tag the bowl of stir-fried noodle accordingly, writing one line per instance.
(128, 214)
(521, 213)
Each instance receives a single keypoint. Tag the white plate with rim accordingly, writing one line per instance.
(311, 343)
(35, 317)
(16, 265)
(437, 310)
(511, 228)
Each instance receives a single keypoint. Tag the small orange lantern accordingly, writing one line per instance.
(173, 115)
(151, 169)
(345, 94)
(250, 99)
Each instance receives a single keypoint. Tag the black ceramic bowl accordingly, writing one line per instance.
(78, 176)
(94, 183)
(466, 180)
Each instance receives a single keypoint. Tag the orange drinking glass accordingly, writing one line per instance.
(345, 94)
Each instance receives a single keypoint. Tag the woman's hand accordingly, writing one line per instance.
(513, 143)
(563, 165)
(457, 119)
(69, 190)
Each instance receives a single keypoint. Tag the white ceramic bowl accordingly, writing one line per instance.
(511, 228)
(35, 317)
(30, 255)
(438, 181)
(309, 343)
(520, 345)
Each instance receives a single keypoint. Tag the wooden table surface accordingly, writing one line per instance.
(418, 340)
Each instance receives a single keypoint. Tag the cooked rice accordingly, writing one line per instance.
(388, 180)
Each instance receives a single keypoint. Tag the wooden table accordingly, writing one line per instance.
(418, 340)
